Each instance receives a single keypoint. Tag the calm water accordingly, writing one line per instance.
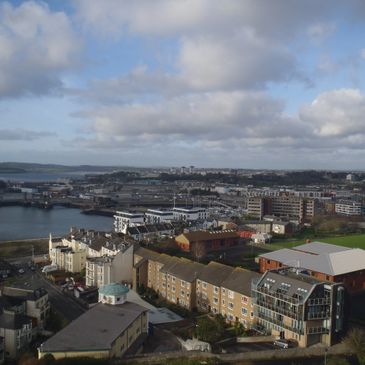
(22, 222)
(42, 177)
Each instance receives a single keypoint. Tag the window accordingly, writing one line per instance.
(244, 299)
(251, 314)
(215, 300)
(216, 289)
(230, 305)
(244, 311)
(230, 294)
(223, 291)
(182, 283)
(204, 285)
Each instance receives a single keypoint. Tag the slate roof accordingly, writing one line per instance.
(240, 281)
(96, 329)
(215, 273)
(209, 235)
(183, 269)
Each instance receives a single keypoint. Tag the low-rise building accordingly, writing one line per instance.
(123, 220)
(295, 306)
(323, 261)
(201, 243)
(110, 329)
(154, 216)
(189, 214)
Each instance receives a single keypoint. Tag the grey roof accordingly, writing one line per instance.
(320, 247)
(333, 263)
(183, 269)
(240, 281)
(296, 284)
(96, 329)
(215, 273)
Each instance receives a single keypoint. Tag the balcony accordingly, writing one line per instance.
(319, 315)
(279, 323)
(278, 309)
(319, 301)
(276, 295)
(317, 330)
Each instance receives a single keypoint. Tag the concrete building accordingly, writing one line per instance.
(323, 261)
(110, 329)
(154, 216)
(298, 208)
(189, 214)
(147, 232)
(348, 208)
(298, 307)
(123, 220)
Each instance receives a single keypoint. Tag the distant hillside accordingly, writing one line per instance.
(22, 167)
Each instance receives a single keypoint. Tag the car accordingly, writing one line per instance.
(284, 344)
(21, 271)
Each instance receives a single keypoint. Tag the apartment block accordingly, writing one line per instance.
(348, 208)
(208, 287)
(298, 307)
(112, 268)
(236, 297)
(123, 220)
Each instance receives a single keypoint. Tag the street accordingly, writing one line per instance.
(63, 304)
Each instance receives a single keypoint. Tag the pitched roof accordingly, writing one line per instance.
(209, 235)
(96, 329)
(183, 269)
(215, 273)
(240, 281)
(328, 260)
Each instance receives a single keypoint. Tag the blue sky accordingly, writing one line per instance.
(239, 83)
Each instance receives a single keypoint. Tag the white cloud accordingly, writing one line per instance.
(337, 113)
(36, 47)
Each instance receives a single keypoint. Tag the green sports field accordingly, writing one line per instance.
(354, 241)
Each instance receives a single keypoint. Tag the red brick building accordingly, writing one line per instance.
(323, 261)
(202, 242)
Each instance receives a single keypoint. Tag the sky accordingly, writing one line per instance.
(276, 84)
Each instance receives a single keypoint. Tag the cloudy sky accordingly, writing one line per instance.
(233, 83)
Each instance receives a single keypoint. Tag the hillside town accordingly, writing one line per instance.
(181, 268)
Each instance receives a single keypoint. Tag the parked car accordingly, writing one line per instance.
(284, 344)
(21, 271)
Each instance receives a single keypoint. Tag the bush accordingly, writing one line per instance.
(209, 330)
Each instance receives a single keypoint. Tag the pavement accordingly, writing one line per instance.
(63, 304)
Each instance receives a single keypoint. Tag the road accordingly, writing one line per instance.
(63, 304)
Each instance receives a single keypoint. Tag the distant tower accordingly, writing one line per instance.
(191, 169)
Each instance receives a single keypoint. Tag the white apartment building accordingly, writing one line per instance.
(154, 216)
(348, 207)
(123, 220)
(189, 214)
(105, 270)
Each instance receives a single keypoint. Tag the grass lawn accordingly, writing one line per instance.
(353, 240)
(23, 248)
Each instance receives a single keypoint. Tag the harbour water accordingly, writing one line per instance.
(17, 222)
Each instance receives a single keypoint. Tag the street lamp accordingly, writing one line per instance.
(325, 355)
